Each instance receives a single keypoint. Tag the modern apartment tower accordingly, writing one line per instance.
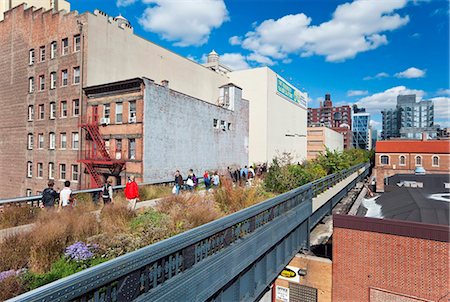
(409, 119)
(362, 136)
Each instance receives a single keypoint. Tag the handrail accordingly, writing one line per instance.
(145, 270)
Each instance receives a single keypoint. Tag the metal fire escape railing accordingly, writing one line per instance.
(96, 155)
(234, 258)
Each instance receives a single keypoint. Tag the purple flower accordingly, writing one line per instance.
(7, 274)
(80, 251)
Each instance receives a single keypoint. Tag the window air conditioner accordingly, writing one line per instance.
(104, 121)
(223, 127)
(132, 119)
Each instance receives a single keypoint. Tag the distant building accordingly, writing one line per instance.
(141, 134)
(337, 118)
(322, 138)
(361, 129)
(443, 133)
(55, 5)
(409, 119)
(405, 156)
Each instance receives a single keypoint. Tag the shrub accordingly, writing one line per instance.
(114, 245)
(13, 215)
(11, 287)
(116, 218)
(15, 251)
(153, 192)
(80, 251)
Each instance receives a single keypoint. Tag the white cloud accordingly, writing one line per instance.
(123, 3)
(355, 27)
(415, 35)
(377, 76)
(441, 109)
(387, 99)
(411, 73)
(263, 60)
(375, 124)
(184, 22)
(443, 91)
(235, 61)
(357, 92)
(235, 40)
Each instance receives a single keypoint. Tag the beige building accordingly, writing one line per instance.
(322, 138)
(278, 114)
(45, 4)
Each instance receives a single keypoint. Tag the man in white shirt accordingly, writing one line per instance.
(65, 195)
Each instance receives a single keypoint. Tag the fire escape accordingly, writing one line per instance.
(96, 157)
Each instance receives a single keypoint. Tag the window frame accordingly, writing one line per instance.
(53, 49)
(63, 109)
(76, 75)
(30, 141)
(384, 156)
(61, 140)
(132, 150)
(40, 170)
(52, 141)
(30, 113)
(64, 77)
(76, 44)
(31, 56)
(41, 141)
(107, 111)
(31, 84)
(52, 115)
(400, 160)
(61, 171)
(53, 80)
(51, 170)
(42, 53)
(41, 82)
(41, 112)
(75, 107)
(29, 169)
(132, 114)
(75, 143)
(117, 114)
(64, 48)
(438, 161)
(421, 161)
(77, 173)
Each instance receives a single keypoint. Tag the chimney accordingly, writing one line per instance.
(424, 136)
(320, 104)
(165, 83)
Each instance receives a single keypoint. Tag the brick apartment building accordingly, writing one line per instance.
(382, 260)
(337, 118)
(404, 156)
(141, 134)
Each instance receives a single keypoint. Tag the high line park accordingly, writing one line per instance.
(213, 261)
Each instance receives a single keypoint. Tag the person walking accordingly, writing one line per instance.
(206, 180)
(190, 181)
(49, 195)
(65, 196)
(107, 192)
(178, 182)
(131, 192)
(216, 180)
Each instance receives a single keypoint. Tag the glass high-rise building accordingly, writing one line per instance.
(361, 130)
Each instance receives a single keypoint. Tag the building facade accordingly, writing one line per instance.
(362, 136)
(321, 139)
(380, 260)
(144, 136)
(409, 119)
(337, 118)
(278, 114)
(55, 5)
(405, 156)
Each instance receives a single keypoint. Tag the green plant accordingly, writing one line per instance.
(116, 218)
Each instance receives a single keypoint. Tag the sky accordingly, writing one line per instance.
(363, 51)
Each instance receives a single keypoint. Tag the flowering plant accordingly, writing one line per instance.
(7, 274)
(80, 251)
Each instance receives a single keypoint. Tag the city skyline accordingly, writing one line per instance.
(381, 49)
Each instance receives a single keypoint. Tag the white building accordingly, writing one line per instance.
(322, 138)
(278, 114)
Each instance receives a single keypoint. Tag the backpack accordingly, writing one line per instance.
(47, 196)
(194, 178)
(105, 191)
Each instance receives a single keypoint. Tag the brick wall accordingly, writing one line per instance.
(399, 265)
(22, 30)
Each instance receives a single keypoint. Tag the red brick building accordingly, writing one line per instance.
(41, 68)
(404, 156)
(337, 118)
(382, 260)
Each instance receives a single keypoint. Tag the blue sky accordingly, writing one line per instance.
(362, 51)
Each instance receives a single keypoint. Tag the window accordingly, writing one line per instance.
(53, 49)
(51, 170)
(435, 161)
(63, 142)
(75, 140)
(31, 57)
(74, 172)
(229, 126)
(40, 141)
(402, 160)
(29, 169)
(53, 80)
(52, 110)
(64, 77)
(31, 84)
(215, 123)
(40, 170)
(119, 109)
(42, 53)
(222, 125)
(106, 110)
(118, 148)
(29, 192)
(418, 160)
(132, 112)
(132, 148)
(30, 112)
(41, 112)
(30, 141)
(63, 108)
(62, 171)
(76, 75)
(384, 160)
(51, 141)
(41, 82)
(65, 46)
(76, 107)
(76, 43)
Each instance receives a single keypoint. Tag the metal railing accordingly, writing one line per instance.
(233, 258)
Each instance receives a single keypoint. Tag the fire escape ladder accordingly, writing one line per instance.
(94, 175)
(94, 132)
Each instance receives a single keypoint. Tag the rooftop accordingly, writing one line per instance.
(408, 197)
(413, 146)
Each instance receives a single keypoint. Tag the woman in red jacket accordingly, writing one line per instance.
(131, 192)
